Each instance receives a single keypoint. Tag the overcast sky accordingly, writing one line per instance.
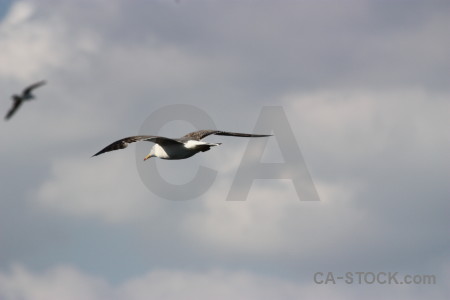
(364, 86)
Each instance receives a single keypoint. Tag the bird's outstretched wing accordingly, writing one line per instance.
(123, 143)
(29, 89)
(17, 102)
(198, 135)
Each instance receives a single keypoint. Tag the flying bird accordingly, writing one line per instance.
(25, 96)
(180, 148)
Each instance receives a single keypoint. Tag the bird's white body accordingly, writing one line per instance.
(179, 151)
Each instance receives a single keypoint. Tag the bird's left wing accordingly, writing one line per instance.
(123, 143)
(13, 109)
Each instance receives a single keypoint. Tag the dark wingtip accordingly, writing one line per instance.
(259, 135)
(263, 135)
(98, 153)
(104, 150)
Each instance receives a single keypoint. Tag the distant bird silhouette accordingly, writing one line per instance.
(19, 99)
(181, 148)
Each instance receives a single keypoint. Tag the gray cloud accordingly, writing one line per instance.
(364, 90)
(69, 283)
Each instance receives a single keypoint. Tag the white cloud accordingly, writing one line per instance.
(214, 284)
(357, 127)
(66, 282)
(29, 46)
(103, 187)
(350, 137)
(110, 70)
(34, 44)
(345, 130)
(20, 12)
(58, 283)
(265, 224)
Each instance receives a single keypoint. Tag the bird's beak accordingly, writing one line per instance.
(147, 157)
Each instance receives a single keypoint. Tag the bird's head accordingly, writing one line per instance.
(150, 154)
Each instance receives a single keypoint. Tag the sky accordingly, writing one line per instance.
(362, 95)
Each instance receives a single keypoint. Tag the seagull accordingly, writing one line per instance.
(19, 99)
(180, 148)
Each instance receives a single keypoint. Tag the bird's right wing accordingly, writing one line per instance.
(33, 86)
(13, 108)
(198, 135)
(123, 143)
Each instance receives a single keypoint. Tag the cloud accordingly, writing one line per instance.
(365, 93)
(32, 44)
(18, 14)
(100, 188)
(271, 218)
(369, 154)
(349, 140)
(58, 283)
(388, 144)
(67, 282)
(356, 128)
